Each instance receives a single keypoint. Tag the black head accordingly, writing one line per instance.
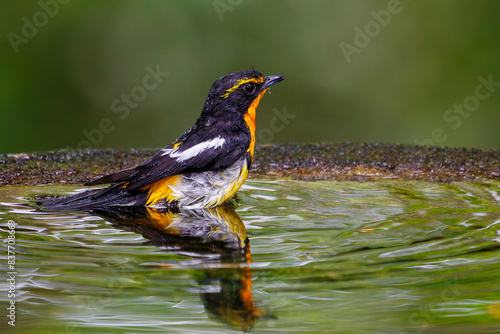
(236, 91)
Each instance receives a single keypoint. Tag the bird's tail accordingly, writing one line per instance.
(94, 199)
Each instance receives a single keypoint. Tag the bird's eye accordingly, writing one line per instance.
(249, 87)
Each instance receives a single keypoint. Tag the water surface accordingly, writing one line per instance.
(289, 257)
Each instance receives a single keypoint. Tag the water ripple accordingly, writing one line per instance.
(322, 257)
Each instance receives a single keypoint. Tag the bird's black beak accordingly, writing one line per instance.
(272, 80)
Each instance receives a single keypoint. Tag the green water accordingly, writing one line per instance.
(321, 257)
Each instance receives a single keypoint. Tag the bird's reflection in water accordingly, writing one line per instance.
(218, 237)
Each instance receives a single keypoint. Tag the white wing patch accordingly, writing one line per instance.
(195, 150)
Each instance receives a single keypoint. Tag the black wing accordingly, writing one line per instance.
(194, 155)
(117, 177)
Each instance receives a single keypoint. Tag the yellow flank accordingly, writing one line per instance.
(160, 190)
(231, 190)
(241, 82)
(176, 145)
(250, 120)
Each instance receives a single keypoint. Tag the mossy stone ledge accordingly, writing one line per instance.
(319, 161)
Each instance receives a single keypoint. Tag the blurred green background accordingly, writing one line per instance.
(359, 71)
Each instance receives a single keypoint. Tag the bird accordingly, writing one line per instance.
(203, 168)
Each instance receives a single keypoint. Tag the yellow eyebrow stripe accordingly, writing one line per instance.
(241, 82)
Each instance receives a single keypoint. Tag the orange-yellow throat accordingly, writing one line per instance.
(250, 120)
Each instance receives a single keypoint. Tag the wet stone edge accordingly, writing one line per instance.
(319, 161)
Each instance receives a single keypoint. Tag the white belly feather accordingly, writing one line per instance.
(208, 189)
